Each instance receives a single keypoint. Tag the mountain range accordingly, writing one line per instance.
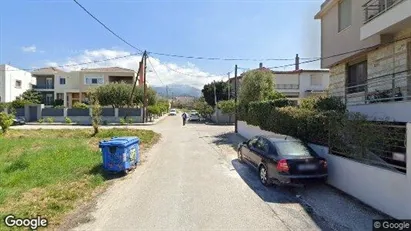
(178, 90)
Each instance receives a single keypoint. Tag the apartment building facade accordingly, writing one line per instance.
(13, 82)
(295, 84)
(366, 45)
(72, 87)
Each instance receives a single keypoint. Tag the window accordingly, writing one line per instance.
(94, 80)
(344, 14)
(357, 77)
(294, 148)
(62, 81)
(263, 145)
(316, 80)
(18, 83)
(253, 142)
(49, 99)
(60, 96)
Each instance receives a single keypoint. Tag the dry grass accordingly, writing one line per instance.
(49, 172)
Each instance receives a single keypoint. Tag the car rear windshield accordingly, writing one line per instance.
(294, 148)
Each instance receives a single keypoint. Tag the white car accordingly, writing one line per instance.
(194, 117)
(173, 112)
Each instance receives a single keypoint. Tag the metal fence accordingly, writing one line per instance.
(384, 88)
(381, 144)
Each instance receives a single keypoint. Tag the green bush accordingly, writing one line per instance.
(122, 121)
(323, 103)
(105, 122)
(50, 120)
(41, 120)
(68, 120)
(19, 103)
(6, 120)
(4, 106)
(129, 120)
(79, 105)
(58, 103)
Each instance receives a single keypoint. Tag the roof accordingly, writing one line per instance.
(300, 71)
(325, 7)
(108, 69)
(47, 70)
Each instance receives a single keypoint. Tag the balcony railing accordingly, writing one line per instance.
(385, 88)
(374, 8)
(43, 86)
(287, 86)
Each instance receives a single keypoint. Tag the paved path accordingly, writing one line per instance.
(192, 181)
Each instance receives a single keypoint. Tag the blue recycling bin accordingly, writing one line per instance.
(120, 153)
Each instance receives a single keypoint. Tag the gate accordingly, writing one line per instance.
(33, 114)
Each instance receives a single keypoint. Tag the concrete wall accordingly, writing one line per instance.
(396, 111)
(382, 189)
(220, 117)
(8, 77)
(336, 42)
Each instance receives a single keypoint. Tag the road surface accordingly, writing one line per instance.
(192, 181)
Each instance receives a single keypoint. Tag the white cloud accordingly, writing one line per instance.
(31, 48)
(169, 73)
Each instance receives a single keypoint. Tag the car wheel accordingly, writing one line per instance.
(240, 155)
(264, 176)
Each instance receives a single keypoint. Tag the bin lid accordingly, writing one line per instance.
(120, 141)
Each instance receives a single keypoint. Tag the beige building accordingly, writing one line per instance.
(72, 87)
(367, 47)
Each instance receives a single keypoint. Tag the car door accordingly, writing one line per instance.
(246, 149)
(258, 151)
(271, 160)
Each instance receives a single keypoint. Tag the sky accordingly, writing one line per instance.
(40, 33)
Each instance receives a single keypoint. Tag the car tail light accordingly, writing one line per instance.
(323, 163)
(282, 166)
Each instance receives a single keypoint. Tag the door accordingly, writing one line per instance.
(246, 150)
(33, 113)
(49, 83)
(258, 151)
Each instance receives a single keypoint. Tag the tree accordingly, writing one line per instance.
(139, 96)
(276, 95)
(6, 120)
(257, 85)
(31, 96)
(227, 107)
(221, 92)
(203, 108)
(95, 113)
(116, 95)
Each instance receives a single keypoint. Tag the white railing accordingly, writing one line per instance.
(374, 8)
(287, 86)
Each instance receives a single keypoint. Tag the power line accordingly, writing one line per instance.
(101, 23)
(175, 55)
(152, 67)
(80, 64)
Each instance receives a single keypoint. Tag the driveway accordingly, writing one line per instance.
(192, 181)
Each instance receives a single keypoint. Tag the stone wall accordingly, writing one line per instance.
(337, 81)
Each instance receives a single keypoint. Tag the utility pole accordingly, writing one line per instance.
(145, 88)
(167, 91)
(215, 101)
(235, 99)
(229, 85)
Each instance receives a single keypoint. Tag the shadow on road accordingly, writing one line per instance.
(279, 198)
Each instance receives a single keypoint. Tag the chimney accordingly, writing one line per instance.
(297, 62)
(261, 65)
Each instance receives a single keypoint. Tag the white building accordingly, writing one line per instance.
(299, 84)
(13, 82)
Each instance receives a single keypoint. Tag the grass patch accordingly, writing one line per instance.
(48, 172)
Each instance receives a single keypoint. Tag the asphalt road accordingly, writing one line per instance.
(192, 181)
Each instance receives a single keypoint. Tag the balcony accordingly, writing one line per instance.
(384, 97)
(385, 17)
(287, 86)
(43, 87)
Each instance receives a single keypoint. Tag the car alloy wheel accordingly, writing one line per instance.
(263, 175)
